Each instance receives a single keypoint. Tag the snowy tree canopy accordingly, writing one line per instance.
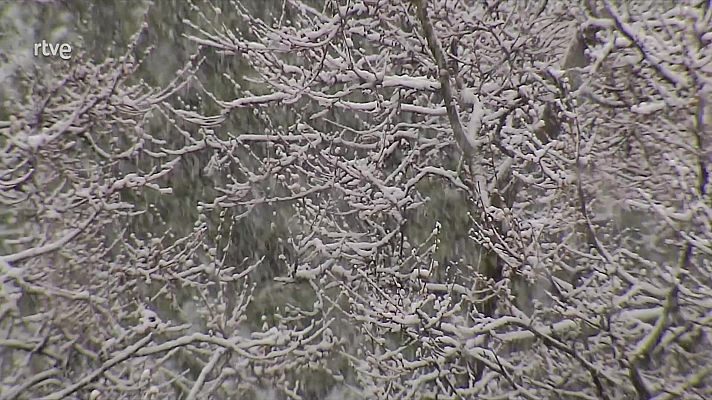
(363, 199)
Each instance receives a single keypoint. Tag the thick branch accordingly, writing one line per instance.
(443, 77)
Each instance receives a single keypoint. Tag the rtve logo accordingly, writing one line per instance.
(63, 50)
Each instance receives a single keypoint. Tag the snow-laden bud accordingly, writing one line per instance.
(152, 393)
(149, 320)
(145, 375)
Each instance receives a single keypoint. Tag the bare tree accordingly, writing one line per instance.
(491, 199)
